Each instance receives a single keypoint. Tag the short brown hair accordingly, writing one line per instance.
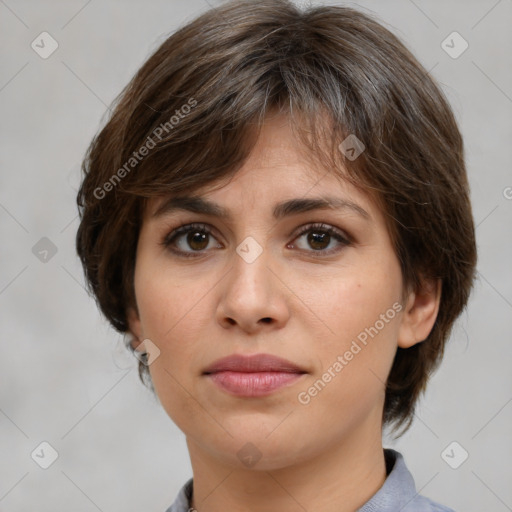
(195, 103)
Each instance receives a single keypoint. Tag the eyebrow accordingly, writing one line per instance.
(287, 208)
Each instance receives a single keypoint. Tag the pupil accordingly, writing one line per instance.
(199, 239)
(315, 238)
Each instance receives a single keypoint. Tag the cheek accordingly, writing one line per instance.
(171, 304)
(352, 299)
(175, 392)
(175, 314)
(174, 320)
(354, 363)
(360, 311)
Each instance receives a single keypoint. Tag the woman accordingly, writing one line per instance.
(277, 214)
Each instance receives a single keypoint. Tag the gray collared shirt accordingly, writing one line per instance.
(398, 494)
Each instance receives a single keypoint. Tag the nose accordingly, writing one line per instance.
(252, 297)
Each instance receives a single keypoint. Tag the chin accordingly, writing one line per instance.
(252, 449)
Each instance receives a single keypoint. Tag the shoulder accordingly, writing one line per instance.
(399, 490)
(424, 504)
(182, 501)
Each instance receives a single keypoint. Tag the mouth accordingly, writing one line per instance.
(253, 376)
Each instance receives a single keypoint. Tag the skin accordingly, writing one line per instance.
(325, 455)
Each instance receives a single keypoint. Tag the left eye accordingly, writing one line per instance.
(199, 237)
(320, 236)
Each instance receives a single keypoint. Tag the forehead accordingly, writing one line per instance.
(278, 170)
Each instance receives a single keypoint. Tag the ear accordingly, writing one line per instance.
(135, 326)
(420, 313)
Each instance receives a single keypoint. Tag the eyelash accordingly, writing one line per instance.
(169, 239)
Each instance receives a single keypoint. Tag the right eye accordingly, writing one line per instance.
(197, 237)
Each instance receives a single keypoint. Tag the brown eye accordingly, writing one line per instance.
(319, 241)
(320, 237)
(197, 240)
(190, 240)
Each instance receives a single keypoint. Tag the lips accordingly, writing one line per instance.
(254, 375)
(253, 363)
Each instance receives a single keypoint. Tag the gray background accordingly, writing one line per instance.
(65, 377)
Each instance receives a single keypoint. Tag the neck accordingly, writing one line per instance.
(340, 479)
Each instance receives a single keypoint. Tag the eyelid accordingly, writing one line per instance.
(322, 226)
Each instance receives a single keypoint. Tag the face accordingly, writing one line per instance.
(320, 288)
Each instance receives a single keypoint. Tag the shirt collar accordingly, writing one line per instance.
(398, 489)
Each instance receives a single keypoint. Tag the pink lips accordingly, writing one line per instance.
(252, 376)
